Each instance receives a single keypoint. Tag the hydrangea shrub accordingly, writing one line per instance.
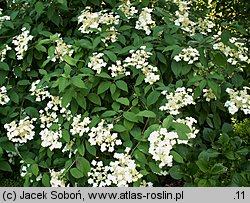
(121, 93)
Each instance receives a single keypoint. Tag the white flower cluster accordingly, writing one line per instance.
(128, 10)
(4, 99)
(139, 60)
(144, 183)
(119, 173)
(238, 100)
(3, 52)
(209, 95)
(98, 175)
(22, 131)
(204, 25)
(69, 148)
(145, 21)
(118, 69)
(57, 178)
(3, 18)
(188, 121)
(24, 170)
(234, 55)
(102, 136)
(62, 49)
(11, 156)
(21, 41)
(40, 92)
(124, 170)
(189, 55)
(180, 98)
(161, 143)
(49, 117)
(93, 21)
(182, 16)
(79, 127)
(96, 62)
(111, 35)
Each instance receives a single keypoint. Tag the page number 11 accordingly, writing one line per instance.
(240, 195)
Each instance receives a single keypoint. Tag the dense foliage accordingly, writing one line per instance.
(123, 93)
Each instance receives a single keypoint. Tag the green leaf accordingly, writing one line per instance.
(177, 157)
(147, 114)
(13, 96)
(215, 88)
(34, 169)
(83, 165)
(130, 116)
(108, 113)
(94, 98)
(176, 172)
(176, 68)
(110, 55)
(39, 7)
(4, 66)
(203, 165)
(122, 85)
(67, 97)
(32, 112)
(77, 81)
(76, 173)
(123, 100)
(62, 84)
(23, 82)
(85, 43)
(218, 169)
(81, 149)
(167, 122)
(69, 60)
(182, 130)
(90, 149)
(41, 48)
(5, 166)
(119, 128)
(155, 168)
(46, 180)
(66, 135)
(96, 41)
(153, 97)
(103, 86)
(140, 156)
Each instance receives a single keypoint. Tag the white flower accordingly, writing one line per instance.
(62, 49)
(22, 131)
(209, 95)
(139, 60)
(3, 52)
(118, 69)
(189, 55)
(239, 100)
(145, 21)
(189, 121)
(128, 9)
(234, 55)
(21, 41)
(161, 143)
(3, 18)
(96, 62)
(57, 179)
(102, 136)
(4, 99)
(180, 98)
(80, 127)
